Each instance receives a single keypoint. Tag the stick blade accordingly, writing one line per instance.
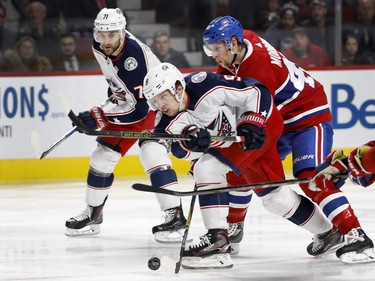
(141, 187)
(44, 154)
(153, 189)
(35, 142)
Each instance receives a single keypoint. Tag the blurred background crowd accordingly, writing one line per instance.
(56, 35)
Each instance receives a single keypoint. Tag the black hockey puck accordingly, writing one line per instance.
(154, 263)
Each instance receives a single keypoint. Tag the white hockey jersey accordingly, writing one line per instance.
(124, 74)
(216, 102)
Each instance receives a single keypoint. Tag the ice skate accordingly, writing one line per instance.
(235, 234)
(358, 248)
(172, 229)
(87, 223)
(326, 243)
(212, 251)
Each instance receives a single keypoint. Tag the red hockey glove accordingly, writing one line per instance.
(335, 164)
(94, 118)
(200, 138)
(357, 173)
(251, 126)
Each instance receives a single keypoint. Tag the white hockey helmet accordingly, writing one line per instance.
(161, 78)
(109, 20)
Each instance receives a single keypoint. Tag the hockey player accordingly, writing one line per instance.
(307, 134)
(360, 167)
(204, 104)
(124, 61)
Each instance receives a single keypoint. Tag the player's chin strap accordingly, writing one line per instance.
(182, 106)
(234, 54)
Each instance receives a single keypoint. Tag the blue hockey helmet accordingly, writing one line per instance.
(222, 29)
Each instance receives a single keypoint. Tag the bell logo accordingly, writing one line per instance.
(343, 102)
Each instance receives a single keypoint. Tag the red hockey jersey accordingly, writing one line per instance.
(301, 99)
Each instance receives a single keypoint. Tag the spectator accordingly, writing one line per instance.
(25, 57)
(303, 9)
(279, 35)
(352, 54)
(69, 60)
(267, 16)
(44, 32)
(364, 27)
(320, 27)
(304, 53)
(14, 16)
(161, 46)
(7, 37)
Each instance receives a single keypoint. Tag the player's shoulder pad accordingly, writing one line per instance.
(200, 77)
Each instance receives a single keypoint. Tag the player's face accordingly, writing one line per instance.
(166, 103)
(220, 53)
(109, 41)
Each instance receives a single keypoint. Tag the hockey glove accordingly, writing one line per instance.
(251, 126)
(94, 118)
(200, 138)
(335, 164)
(357, 173)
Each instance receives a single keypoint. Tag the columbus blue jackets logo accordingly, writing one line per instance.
(130, 64)
(199, 77)
(221, 124)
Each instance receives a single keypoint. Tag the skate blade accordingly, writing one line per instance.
(234, 249)
(220, 261)
(366, 256)
(85, 231)
(170, 236)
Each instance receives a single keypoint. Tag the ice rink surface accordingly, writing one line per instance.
(33, 245)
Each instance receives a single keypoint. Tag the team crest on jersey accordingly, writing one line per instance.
(221, 124)
(158, 116)
(199, 77)
(130, 64)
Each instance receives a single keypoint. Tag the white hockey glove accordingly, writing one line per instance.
(335, 164)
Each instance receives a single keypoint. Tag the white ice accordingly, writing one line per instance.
(33, 245)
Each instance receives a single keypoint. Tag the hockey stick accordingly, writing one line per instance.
(58, 142)
(186, 232)
(153, 189)
(140, 135)
(67, 135)
(150, 188)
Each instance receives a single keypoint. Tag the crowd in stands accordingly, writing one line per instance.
(56, 35)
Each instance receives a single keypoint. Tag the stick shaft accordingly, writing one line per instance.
(58, 142)
(140, 135)
(67, 135)
(186, 232)
(149, 188)
(153, 189)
